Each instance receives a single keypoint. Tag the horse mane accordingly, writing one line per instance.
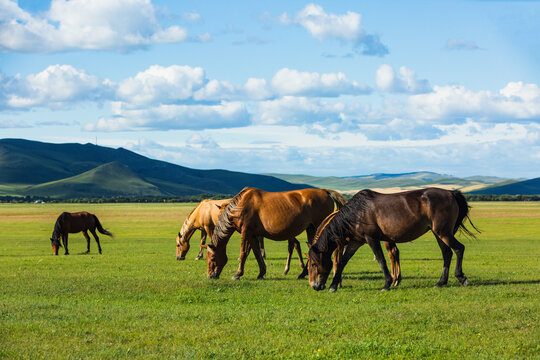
(58, 225)
(225, 225)
(337, 226)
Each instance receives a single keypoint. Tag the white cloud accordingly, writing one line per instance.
(160, 84)
(516, 101)
(84, 24)
(406, 82)
(292, 110)
(54, 87)
(215, 90)
(460, 44)
(192, 16)
(346, 27)
(293, 82)
(169, 117)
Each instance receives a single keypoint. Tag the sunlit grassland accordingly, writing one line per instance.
(137, 301)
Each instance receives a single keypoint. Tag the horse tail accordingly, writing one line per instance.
(100, 228)
(225, 225)
(338, 199)
(463, 214)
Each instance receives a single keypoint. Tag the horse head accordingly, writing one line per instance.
(216, 259)
(55, 243)
(182, 247)
(319, 265)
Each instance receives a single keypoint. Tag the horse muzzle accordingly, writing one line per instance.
(181, 257)
(317, 285)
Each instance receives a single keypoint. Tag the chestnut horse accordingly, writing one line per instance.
(74, 223)
(370, 217)
(274, 215)
(203, 217)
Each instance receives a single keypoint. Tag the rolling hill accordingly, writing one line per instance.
(77, 170)
(527, 187)
(396, 181)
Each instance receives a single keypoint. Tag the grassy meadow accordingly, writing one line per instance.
(137, 301)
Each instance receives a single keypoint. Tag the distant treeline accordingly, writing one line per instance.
(115, 199)
(198, 198)
(485, 197)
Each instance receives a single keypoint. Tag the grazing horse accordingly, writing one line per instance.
(274, 215)
(391, 249)
(74, 223)
(204, 217)
(370, 217)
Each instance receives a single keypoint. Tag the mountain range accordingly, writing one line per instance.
(77, 170)
(32, 168)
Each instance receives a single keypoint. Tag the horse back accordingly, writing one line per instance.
(405, 216)
(280, 215)
(78, 221)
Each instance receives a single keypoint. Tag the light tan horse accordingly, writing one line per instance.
(274, 215)
(204, 217)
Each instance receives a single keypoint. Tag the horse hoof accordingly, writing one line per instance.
(260, 277)
(198, 258)
(440, 284)
(236, 277)
(465, 282)
(332, 289)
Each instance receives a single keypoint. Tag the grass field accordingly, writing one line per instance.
(137, 301)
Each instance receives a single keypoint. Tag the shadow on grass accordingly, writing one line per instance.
(489, 282)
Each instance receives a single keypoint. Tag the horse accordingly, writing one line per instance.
(370, 217)
(74, 223)
(278, 216)
(203, 217)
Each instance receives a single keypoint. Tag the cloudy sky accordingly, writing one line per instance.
(324, 88)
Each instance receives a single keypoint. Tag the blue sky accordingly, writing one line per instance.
(323, 88)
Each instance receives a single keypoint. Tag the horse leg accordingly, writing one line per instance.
(85, 233)
(290, 247)
(349, 251)
(337, 256)
(377, 251)
(65, 242)
(93, 231)
(261, 242)
(310, 231)
(395, 268)
(257, 252)
(459, 249)
(447, 258)
(203, 241)
(299, 252)
(245, 248)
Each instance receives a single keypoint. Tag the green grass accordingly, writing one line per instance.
(137, 301)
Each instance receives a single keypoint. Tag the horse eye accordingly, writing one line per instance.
(313, 265)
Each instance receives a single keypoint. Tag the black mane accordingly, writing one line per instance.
(57, 231)
(334, 232)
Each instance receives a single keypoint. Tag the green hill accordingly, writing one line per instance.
(25, 162)
(527, 187)
(111, 179)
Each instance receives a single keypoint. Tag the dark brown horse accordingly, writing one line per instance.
(74, 223)
(370, 217)
(274, 215)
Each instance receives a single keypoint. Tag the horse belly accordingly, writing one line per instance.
(405, 230)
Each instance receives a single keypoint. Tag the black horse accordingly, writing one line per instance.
(370, 217)
(74, 223)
